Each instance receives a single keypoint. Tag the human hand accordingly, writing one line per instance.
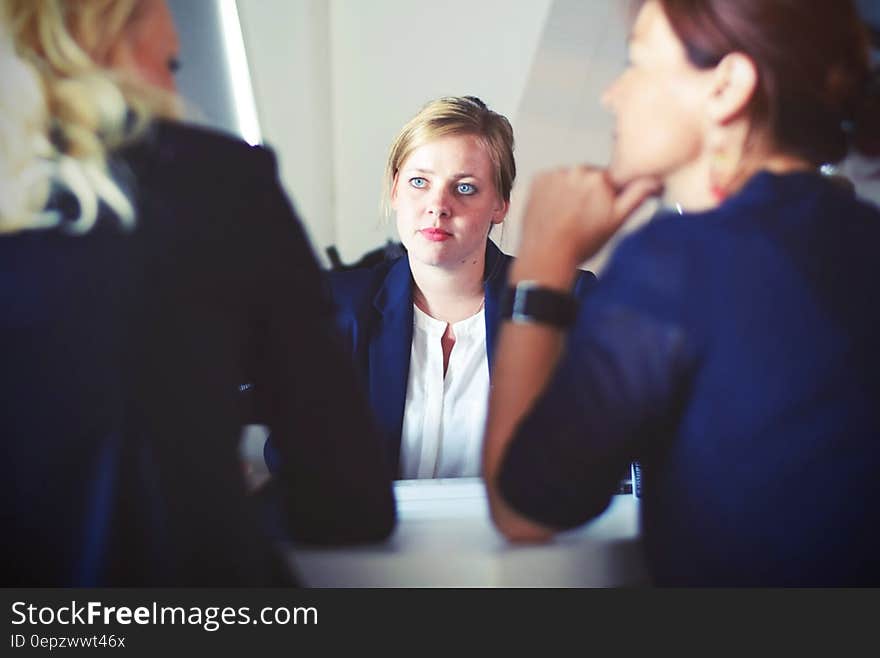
(571, 213)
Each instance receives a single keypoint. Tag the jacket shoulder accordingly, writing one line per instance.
(187, 146)
(354, 290)
(497, 281)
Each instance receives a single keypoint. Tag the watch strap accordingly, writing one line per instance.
(529, 302)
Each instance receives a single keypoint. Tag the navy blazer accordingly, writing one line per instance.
(375, 317)
(734, 353)
(122, 353)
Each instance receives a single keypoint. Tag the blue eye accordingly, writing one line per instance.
(466, 188)
(418, 182)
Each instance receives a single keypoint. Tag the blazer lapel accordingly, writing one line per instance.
(389, 354)
(495, 281)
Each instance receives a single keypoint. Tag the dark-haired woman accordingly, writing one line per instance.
(731, 346)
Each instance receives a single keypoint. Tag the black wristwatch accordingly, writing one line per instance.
(529, 302)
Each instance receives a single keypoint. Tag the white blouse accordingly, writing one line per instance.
(444, 417)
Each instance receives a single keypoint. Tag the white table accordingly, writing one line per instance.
(445, 538)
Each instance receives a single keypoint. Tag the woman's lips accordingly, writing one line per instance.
(435, 234)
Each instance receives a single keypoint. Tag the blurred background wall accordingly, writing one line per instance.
(328, 83)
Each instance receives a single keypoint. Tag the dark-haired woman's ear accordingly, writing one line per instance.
(733, 85)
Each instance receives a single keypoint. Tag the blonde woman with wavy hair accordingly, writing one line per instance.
(61, 111)
(147, 269)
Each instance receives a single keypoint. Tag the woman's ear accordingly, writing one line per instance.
(500, 212)
(734, 82)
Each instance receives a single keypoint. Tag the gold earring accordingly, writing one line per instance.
(722, 173)
(717, 186)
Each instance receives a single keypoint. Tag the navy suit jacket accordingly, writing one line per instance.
(375, 317)
(734, 353)
(122, 353)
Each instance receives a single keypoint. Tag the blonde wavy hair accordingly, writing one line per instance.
(62, 112)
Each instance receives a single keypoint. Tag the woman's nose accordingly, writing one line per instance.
(439, 204)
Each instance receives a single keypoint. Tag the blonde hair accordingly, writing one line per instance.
(455, 115)
(62, 112)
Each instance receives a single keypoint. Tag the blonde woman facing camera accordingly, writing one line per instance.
(421, 329)
(147, 269)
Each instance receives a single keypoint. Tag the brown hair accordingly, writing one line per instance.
(456, 115)
(813, 66)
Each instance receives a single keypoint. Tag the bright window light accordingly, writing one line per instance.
(236, 58)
